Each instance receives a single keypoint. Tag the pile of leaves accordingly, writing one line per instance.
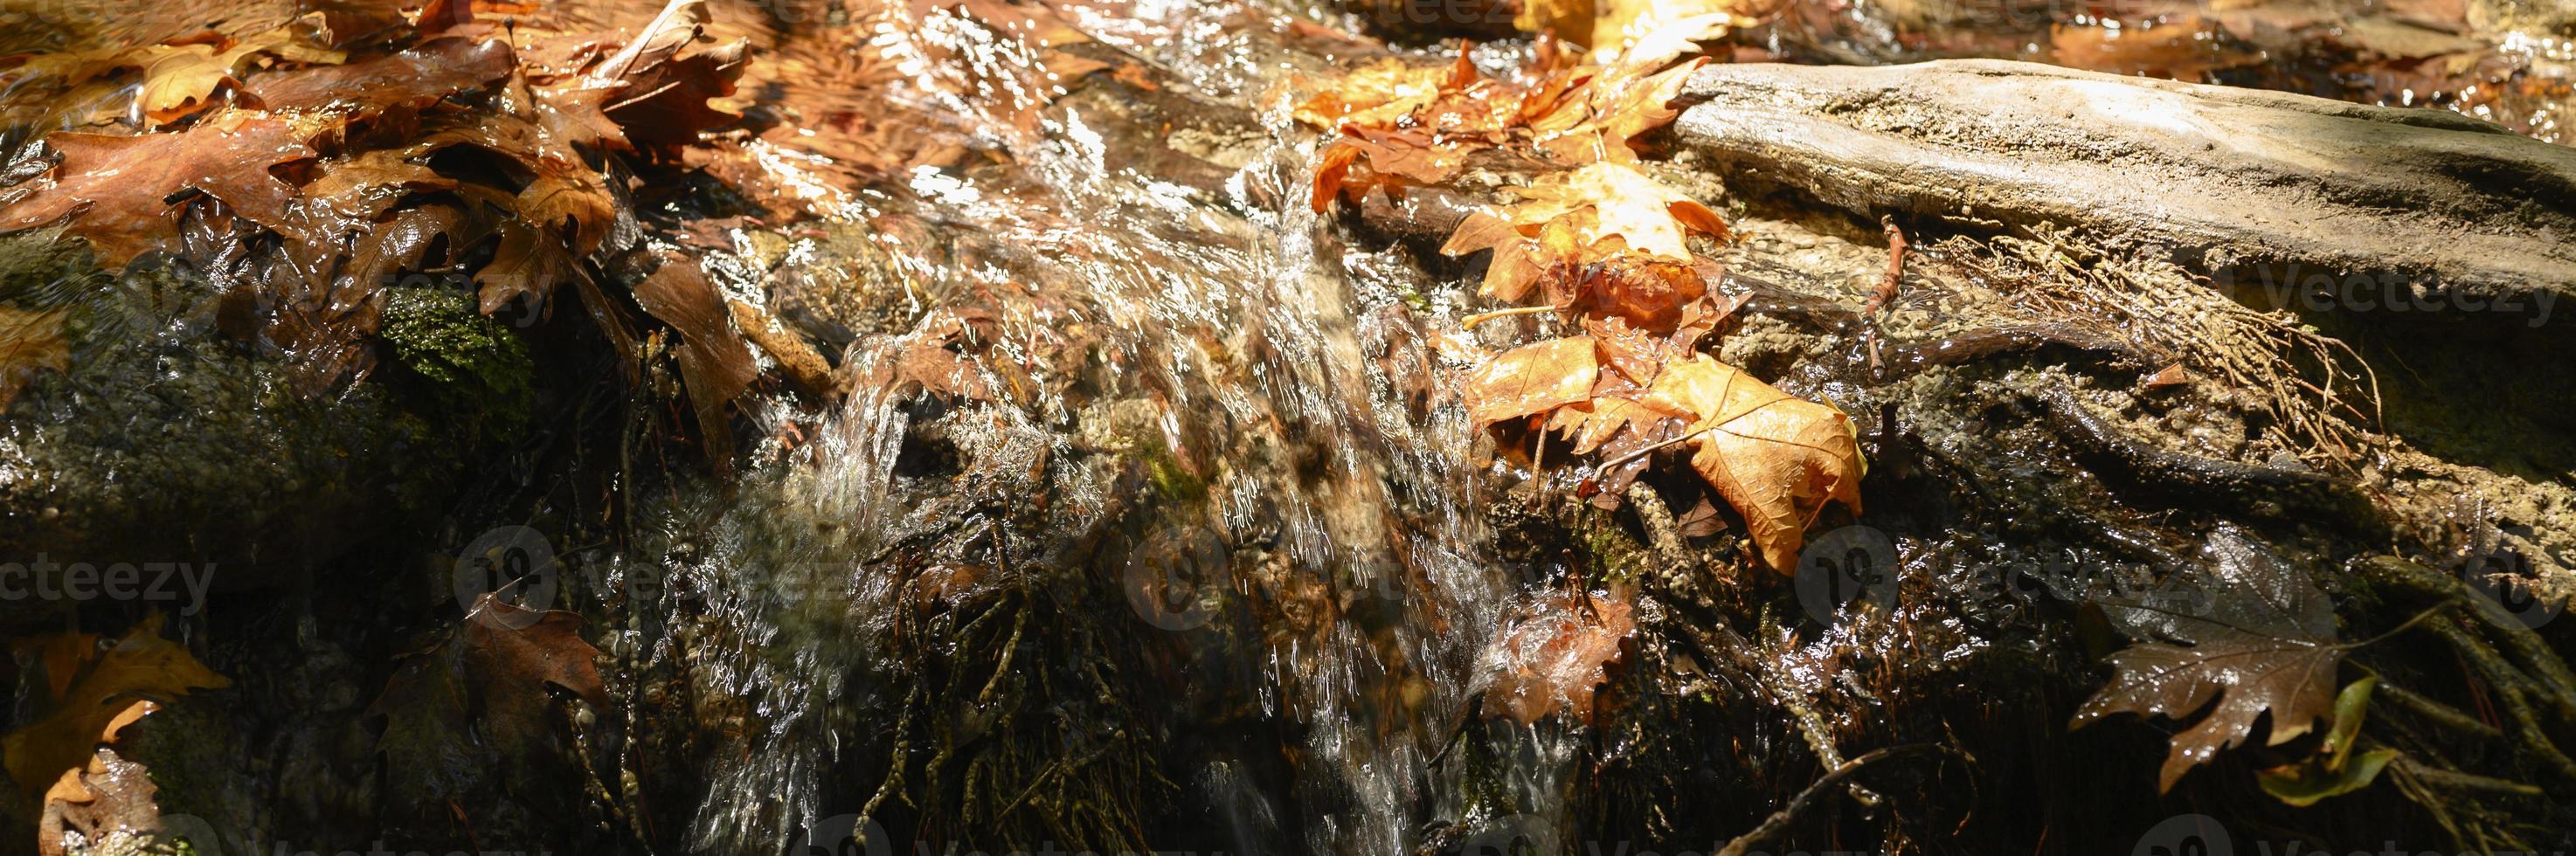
(1607, 247)
(311, 166)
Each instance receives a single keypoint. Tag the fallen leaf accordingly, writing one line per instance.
(2335, 769)
(2246, 630)
(117, 191)
(140, 665)
(1557, 654)
(480, 695)
(409, 80)
(1533, 378)
(1775, 457)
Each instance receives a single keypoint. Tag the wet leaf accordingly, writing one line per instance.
(140, 665)
(1556, 656)
(117, 192)
(408, 80)
(2335, 769)
(1533, 378)
(482, 693)
(1775, 457)
(2220, 647)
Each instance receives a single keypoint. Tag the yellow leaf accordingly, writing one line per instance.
(1775, 457)
(140, 664)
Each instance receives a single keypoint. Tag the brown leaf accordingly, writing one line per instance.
(117, 191)
(1555, 656)
(141, 665)
(408, 80)
(2247, 630)
(482, 692)
(713, 359)
(1774, 457)
(1533, 378)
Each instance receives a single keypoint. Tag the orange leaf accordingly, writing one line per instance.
(1533, 378)
(1773, 456)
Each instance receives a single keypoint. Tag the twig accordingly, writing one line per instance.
(1779, 821)
(1471, 321)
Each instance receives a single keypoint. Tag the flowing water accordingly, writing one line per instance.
(1106, 360)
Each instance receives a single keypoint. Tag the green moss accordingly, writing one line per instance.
(472, 363)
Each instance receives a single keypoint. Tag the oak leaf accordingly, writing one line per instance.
(1773, 456)
(117, 192)
(2246, 631)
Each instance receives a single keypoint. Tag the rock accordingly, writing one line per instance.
(2222, 176)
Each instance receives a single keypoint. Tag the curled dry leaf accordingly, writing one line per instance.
(2246, 631)
(1773, 456)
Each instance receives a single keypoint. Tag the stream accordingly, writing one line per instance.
(1148, 517)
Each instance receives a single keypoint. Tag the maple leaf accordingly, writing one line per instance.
(2245, 630)
(1773, 456)
(117, 191)
(140, 665)
(1368, 159)
(1533, 378)
(30, 342)
(1557, 654)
